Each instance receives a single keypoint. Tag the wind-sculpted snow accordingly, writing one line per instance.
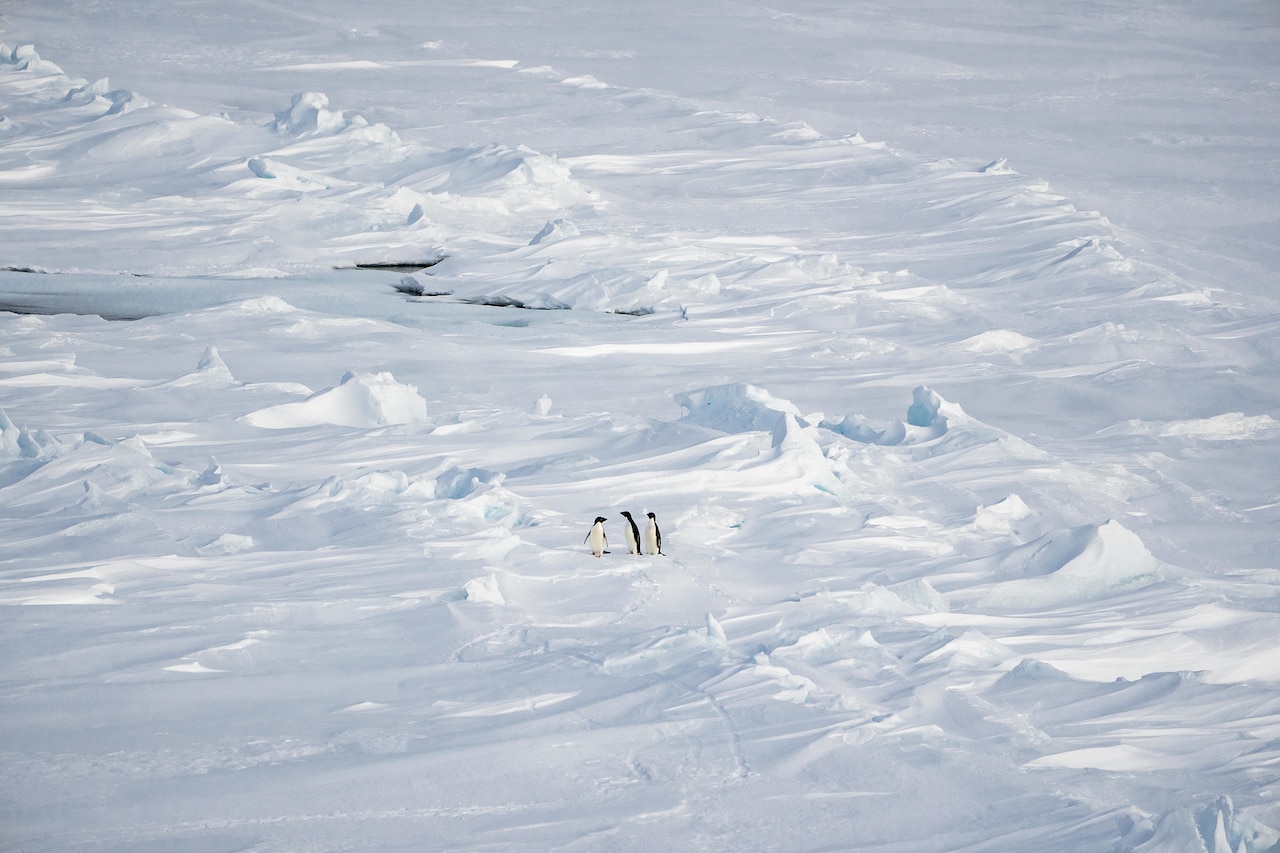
(318, 186)
(966, 496)
(735, 408)
(359, 400)
(1077, 566)
(252, 197)
(309, 115)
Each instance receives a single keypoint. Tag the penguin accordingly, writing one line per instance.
(596, 537)
(633, 534)
(653, 536)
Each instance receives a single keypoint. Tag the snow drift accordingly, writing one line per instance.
(361, 400)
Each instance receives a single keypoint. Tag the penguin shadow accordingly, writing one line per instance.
(638, 544)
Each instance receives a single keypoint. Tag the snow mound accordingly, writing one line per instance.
(517, 179)
(1232, 426)
(211, 370)
(999, 341)
(484, 590)
(309, 115)
(920, 594)
(227, 544)
(168, 133)
(852, 649)
(1074, 566)
(794, 460)
(971, 650)
(736, 408)
(361, 400)
(1002, 517)
(871, 600)
(542, 181)
(1030, 671)
(929, 417)
(798, 457)
(1229, 427)
(263, 306)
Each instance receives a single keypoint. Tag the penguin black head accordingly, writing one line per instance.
(651, 515)
(600, 518)
(627, 514)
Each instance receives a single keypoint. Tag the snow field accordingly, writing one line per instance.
(964, 496)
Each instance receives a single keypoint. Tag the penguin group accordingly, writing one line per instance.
(651, 543)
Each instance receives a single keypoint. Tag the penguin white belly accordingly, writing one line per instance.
(596, 540)
(652, 538)
(633, 537)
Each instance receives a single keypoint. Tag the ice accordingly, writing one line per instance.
(736, 408)
(309, 115)
(210, 371)
(558, 229)
(930, 410)
(943, 346)
(25, 58)
(484, 590)
(211, 476)
(455, 484)
(18, 442)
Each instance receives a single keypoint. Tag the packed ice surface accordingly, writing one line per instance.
(941, 343)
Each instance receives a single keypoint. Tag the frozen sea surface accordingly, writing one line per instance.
(941, 343)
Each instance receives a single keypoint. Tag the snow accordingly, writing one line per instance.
(359, 400)
(942, 344)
